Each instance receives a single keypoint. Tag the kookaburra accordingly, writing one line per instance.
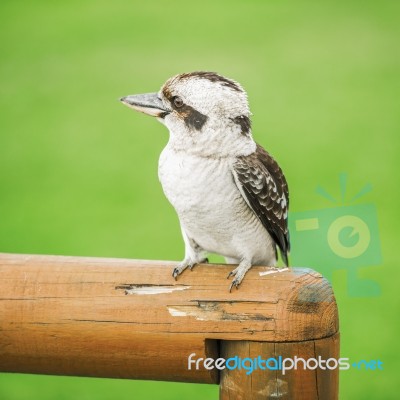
(230, 195)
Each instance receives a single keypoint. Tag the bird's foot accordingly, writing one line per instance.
(186, 264)
(239, 272)
(181, 267)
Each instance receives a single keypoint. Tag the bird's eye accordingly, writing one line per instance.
(178, 102)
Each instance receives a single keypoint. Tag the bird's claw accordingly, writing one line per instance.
(235, 283)
(175, 273)
(191, 266)
(230, 274)
(239, 272)
(180, 268)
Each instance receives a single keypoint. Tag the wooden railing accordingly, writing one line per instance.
(118, 318)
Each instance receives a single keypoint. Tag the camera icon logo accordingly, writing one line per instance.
(338, 238)
(357, 227)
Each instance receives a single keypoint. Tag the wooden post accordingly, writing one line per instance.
(120, 318)
(304, 384)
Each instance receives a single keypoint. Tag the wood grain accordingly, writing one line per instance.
(130, 319)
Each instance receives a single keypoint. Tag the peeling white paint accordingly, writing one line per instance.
(200, 315)
(176, 313)
(155, 289)
(273, 271)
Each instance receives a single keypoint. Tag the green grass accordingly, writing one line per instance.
(78, 171)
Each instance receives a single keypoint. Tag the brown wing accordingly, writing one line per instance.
(264, 186)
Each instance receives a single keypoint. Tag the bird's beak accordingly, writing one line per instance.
(148, 103)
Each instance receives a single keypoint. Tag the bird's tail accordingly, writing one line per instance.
(285, 258)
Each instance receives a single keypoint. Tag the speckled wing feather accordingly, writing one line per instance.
(264, 187)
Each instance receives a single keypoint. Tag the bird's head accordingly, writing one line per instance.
(206, 114)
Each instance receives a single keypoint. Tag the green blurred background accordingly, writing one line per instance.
(78, 171)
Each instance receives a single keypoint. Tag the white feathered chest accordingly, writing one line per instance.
(197, 185)
(209, 205)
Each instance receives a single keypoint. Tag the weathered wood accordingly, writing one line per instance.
(131, 319)
(299, 384)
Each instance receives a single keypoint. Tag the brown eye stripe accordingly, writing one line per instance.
(244, 123)
(193, 118)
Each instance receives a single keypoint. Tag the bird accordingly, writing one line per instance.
(230, 195)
